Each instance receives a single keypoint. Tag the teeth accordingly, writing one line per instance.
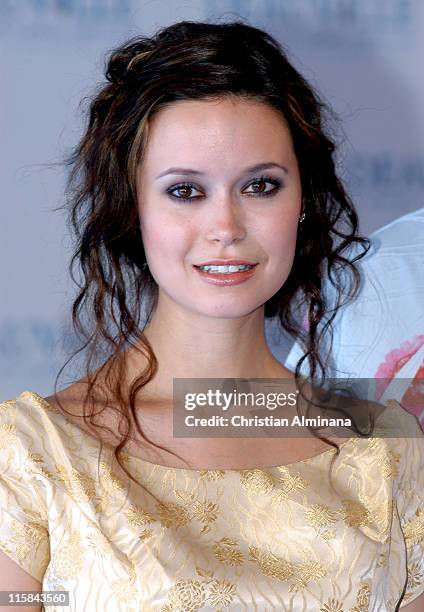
(225, 269)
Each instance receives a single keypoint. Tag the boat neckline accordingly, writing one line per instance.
(43, 402)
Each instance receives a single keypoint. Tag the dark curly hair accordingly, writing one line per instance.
(190, 61)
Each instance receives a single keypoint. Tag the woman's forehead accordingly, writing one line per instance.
(218, 132)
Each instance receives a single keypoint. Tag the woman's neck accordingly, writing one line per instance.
(206, 347)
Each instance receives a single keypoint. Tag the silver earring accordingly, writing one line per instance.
(302, 217)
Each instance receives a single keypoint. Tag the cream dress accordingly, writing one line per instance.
(278, 538)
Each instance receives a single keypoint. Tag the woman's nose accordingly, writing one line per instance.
(225, 224)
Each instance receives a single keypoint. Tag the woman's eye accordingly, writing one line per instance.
(185, 190)
(259, 186)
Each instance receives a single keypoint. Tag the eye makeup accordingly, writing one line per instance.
(263, 179)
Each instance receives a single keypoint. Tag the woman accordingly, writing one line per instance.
(205, 148)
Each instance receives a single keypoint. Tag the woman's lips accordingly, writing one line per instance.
(233, 278)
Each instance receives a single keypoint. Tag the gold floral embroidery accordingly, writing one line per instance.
(221, 593)
(39, 401)
(110, 482)
(138, 519)
(172, 515)
(206, 574)
(79, 485)
(186, 596)
(271, 565)
(415, 576)
(362, 599)
(111, 489)
(125, 458)
(4, 406)
(67, 559)
(99, 543)
(332, 605)
(355, 514)
(204, 511)
(7, 435)
(126, 590)
(33, 463)
(320, 516)
(192, 594)
(212, 474)
(328, 534)
(28, 535)
(4, 546)
(376, 445)
(406, 597)
(256, 480)
(414, 528)
(288, 483)
(379, 513)
(307, 571)
(226, 551)
(390, 465)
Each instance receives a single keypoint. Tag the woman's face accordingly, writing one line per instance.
(200, 200)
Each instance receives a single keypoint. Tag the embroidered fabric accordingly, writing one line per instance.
(279, 538)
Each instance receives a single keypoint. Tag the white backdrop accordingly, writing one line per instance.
(364, 56)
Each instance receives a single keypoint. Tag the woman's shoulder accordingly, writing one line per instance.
(38, 429)
(45, 461)
(28, 436)
(399, 432)
(406, 466)
(25, 469)
(76, 408)
(28, 407)
(391, 458)
(24, 417)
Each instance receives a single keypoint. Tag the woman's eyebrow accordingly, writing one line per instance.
(256, 168)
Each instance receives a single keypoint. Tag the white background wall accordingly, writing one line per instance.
(364, 56)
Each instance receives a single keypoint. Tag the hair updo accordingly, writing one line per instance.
(193, 61)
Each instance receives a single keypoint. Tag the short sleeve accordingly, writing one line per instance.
(410, 505)
(24, 535)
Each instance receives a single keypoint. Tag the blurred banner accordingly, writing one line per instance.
(364, 56)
